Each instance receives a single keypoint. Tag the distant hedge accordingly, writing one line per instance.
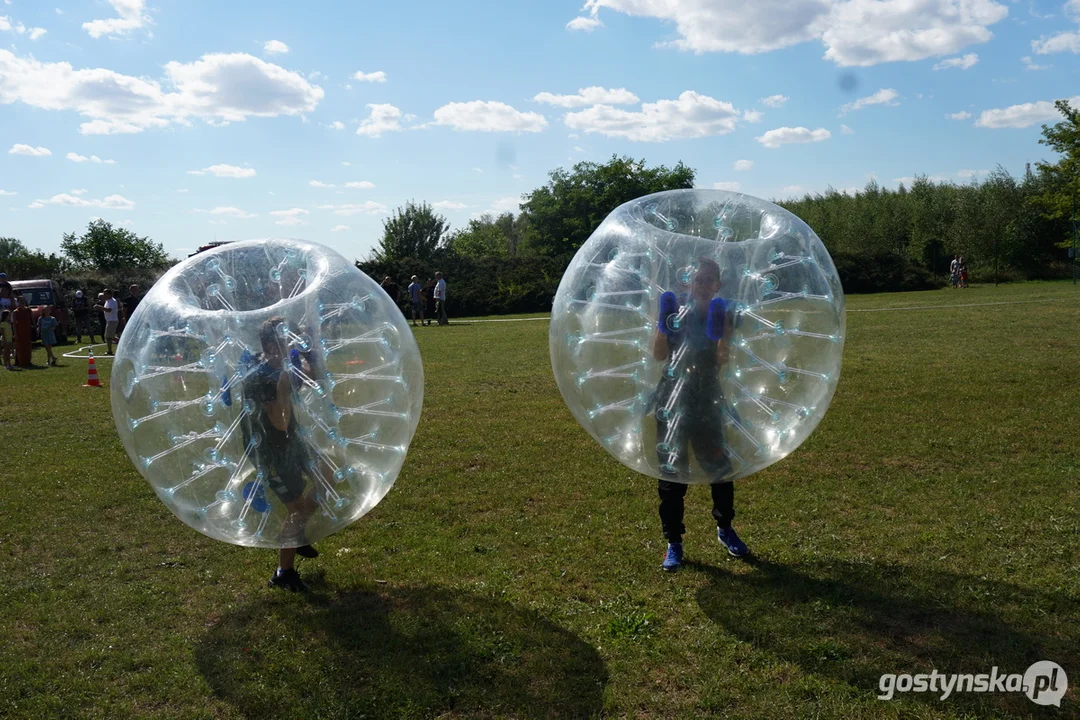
(484, 286)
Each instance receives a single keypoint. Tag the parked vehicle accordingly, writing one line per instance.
(38, 294)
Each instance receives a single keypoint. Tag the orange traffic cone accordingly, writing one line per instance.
(92, 378)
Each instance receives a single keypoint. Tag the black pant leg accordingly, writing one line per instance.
(672, 507)
(723, 502)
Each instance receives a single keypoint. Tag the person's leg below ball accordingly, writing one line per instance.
(672, 510)
(723, 497)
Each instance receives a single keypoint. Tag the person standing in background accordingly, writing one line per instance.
(415, 301)
(46, 326)
(131, 303)
(440, 298)
(23, 322)
(101, 314)
(80, 306)
(429, 300)
(111, 310)
(6, 337)
(391, 288)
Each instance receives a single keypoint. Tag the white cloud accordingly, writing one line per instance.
(132, 17)
(511, 204)
(855, 32)
(225, 171)
(75, 157)
(231, 212)
(319, 184)
(182, 190)
(908, 180)
(275, 47)
(1022, 116)
(971, 173)
(731, 186)
(962, 115)
(885, 96)
(846, 130)
(753, 116)
(7, 25)
(448, 205)
(360, 184)
(339, 228)
(112, 202)
(80, 191)
(793, 190)
(293, 216)
(743, 164)
(217, 87)
(586, 24)
(1032, 66)
(775, 101)
(336, 125)
(383, 118)
(7, 192)
(1061, 42)
(964, 63)
(796, 135)
(488, 116)
(346, 163)
(21, 149)
(590, 96)
(365, 208)
(375, 77)
(691, 116)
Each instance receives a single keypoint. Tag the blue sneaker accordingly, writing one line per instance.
(673, 557)
(735, 547)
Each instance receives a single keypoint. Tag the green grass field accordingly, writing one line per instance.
(931, 521)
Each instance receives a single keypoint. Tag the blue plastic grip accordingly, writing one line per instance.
(669, 305)
(715, 325)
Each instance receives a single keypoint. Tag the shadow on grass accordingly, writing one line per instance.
(386, 652)
(854, 622)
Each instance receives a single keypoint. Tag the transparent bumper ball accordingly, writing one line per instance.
(698, 334)
(268, 391)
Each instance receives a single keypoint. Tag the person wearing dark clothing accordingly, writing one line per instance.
(131, 303)
(281, 447)
(391, 288)
(429, 291)
(692, 341)
(80, 307)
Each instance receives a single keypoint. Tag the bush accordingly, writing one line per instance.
(481, 286)
(874, 272)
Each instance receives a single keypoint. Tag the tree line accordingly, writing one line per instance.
(1006, 227)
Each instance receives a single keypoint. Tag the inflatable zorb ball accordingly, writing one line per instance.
(697, 335)
(268, 391)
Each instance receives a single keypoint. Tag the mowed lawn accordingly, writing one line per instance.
(931, 521)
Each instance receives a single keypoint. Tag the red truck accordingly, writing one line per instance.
(38, 294)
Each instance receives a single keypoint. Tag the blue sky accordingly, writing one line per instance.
(190, 120)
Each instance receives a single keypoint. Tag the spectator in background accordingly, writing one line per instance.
(23, 323)
(80, 306)
(954, 271)
(131, 302)
(415, 301)
(963, 273)
(6, 337)
(429, 300)
(440, 298)
(391, 288)
(111, 310)
(101, 314)
(7, 299)
(46, 327)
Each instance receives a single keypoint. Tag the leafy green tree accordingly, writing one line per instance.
(23, 264)
(413, 231)
(562, 214)
(482, 237)
(1061, 197)
(107, 249)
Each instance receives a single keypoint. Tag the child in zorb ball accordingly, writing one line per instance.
(268, 392)
(697, 335)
